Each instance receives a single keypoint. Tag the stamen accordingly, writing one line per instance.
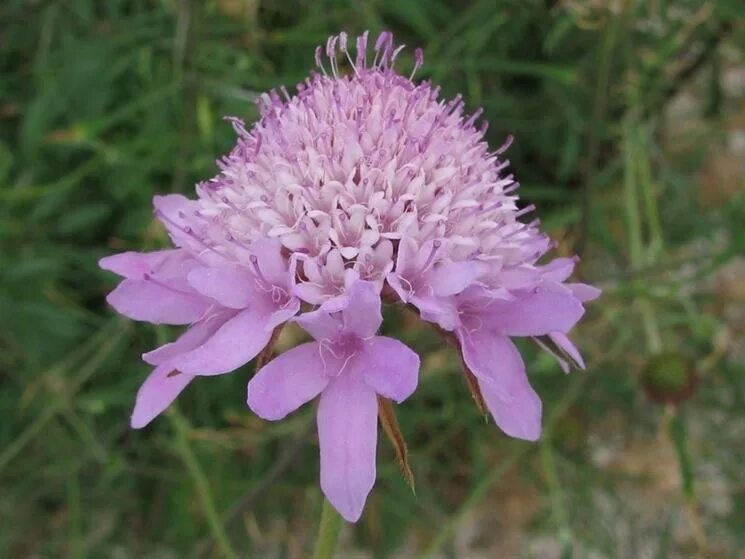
(345, 50)
(472, 119)
(261, 281)
(395, 54)
(506, 145)
(362, 50)
(238, 125)
(331, 53)
(511, 188)
(382, 47)
(319, 62)
(418, 61)
(436, 244)
(525, 210)
(343, 41)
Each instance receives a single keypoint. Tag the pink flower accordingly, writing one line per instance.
(347, 365)
(363, 182)
(232, 309)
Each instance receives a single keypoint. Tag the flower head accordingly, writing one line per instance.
(364, 184)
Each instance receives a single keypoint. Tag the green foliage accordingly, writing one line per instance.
(103, 104)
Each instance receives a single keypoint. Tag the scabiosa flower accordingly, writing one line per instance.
(362, 187)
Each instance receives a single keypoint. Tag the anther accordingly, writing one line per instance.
(362, 50)
(525, 210)
(506, 145)
(436, 244)
(418, 61)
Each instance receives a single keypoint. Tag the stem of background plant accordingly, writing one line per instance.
(637, 249)
(328, 532)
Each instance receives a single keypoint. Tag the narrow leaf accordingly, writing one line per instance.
(473, 386)
(390, 425)
(547, 344)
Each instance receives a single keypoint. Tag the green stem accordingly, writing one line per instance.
(328, 532)
(200, 484)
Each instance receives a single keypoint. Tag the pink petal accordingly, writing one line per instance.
(439, 311)
(401, 286)
(347, 434)
(176, 213)
(310, 293)
(407, 252)
(271, 263)
(519, 416)
(547, 309)
(496, 363)
(320, 324)
(388, 367)
(194, 336)
(237, 341)
(558, 269)
(584, 292)
(157, 303)
(157, 393)
(450, 278)
(519, 278)
(231, 286)
(283, 314)
(136, 265)
(287, 382)
(362, 314)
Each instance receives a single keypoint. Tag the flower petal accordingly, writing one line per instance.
(400, 285)
(584, 292)
(310, 293)
(405, 259)
(320, 324)
(496, 363)
(559, 269)
(176, 213)
(157, 393)
(388, 367)
(547, 309)
(347, 434)
(519, 416)
(193, 337)
(137, 265)
(287, 382)
(237, 341)
(157, 303)
(450, 278)
(283, 314)
(362, 314)
(231, 286)
(271, 263)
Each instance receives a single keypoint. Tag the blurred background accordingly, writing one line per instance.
(629, 119)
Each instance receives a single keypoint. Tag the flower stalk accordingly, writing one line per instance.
(328, 532)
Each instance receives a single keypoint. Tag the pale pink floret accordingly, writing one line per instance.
(347, 365)
(363, 182)
(232, 308)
